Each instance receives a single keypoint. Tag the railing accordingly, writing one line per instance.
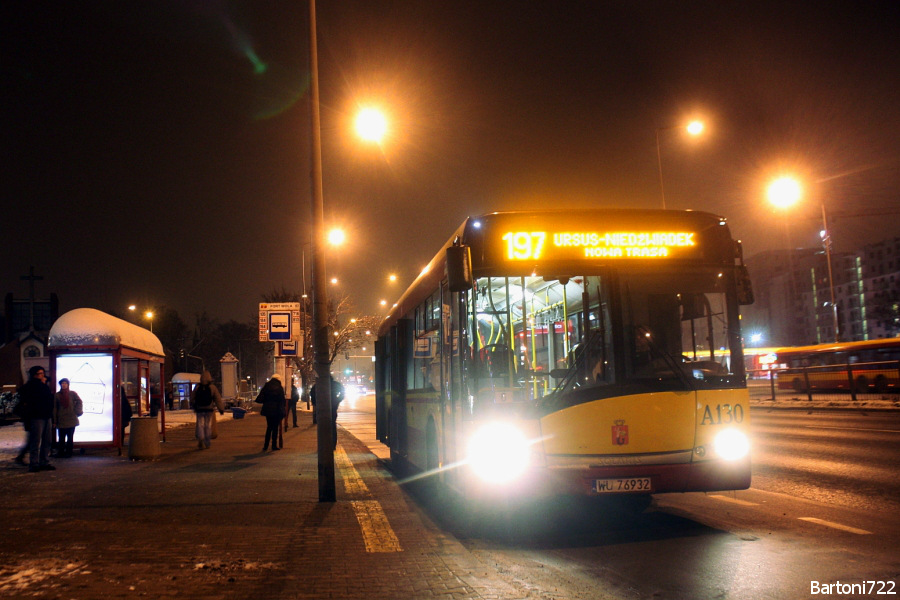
(860, 381)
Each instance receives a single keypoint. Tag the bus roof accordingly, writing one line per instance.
(484, 256)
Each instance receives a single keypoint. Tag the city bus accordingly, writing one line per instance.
(585, 352)
(870, 365)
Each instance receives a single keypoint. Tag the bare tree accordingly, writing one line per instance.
(347, 329)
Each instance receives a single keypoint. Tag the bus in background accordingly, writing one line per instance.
(868, 366)
(590, 352)
(759, 361)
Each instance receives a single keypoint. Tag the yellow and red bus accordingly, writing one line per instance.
(589, 352)
(870, 366)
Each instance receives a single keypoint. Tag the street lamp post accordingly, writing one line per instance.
(826, 239)
(783, 193)
(325, 443)
(693, 128)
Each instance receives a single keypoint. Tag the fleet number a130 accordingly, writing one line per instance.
(722, 414)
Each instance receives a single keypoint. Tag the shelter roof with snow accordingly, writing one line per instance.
(88, 327)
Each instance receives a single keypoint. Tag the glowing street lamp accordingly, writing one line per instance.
(784, 192)
(371, 125)
(336, 237)
(694, 128)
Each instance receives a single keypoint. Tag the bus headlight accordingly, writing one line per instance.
(732, 444)
(498, 452)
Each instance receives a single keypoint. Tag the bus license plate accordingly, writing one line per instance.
(627, 484)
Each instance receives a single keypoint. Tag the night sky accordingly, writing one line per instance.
(157, 153)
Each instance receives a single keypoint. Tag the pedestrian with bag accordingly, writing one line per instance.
(67, 407)
(38, 399)
(206, 399)
(271, 396)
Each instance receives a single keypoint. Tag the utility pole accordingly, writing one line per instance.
(325, 444)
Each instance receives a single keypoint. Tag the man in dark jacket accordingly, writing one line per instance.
(271, 396)
(337, 394)
(38, 399)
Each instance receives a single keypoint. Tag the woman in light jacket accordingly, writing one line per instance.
(67, 407)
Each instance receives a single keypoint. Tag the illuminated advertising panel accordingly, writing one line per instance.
(91, 377)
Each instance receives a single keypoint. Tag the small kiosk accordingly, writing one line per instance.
(182, 386)
(102, 357)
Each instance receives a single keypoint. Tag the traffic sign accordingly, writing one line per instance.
(279, 321)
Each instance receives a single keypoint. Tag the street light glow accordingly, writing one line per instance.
(784, 192)
(371, 125)
(132, 307)
(695, 128)
(336, 237)
(149, 314)
(334, 280)
(392, 278)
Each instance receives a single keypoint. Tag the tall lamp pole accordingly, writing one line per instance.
(693, 128)
(826, 239)
(320, 301)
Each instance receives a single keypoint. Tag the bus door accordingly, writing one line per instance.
(452, 393)
(401, 350)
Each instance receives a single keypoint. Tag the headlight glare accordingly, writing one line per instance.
(732, 444)
(498, 452)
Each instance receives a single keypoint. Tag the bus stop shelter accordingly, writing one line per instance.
(105, 358)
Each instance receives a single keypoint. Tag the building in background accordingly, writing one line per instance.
(26, 325)
(793, 295)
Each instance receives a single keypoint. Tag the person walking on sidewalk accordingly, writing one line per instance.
(67, 407)
(337, 394)
(295, 398)
(271, 396)
(38, 399)
(205, 399)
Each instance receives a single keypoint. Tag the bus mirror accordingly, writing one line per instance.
(744, 287)
(459, 268)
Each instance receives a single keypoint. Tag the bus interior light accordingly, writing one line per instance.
(732, 444)
(499, 452)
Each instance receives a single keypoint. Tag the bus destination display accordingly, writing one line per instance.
(543, 245)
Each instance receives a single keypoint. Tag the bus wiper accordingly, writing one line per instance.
(667, 357)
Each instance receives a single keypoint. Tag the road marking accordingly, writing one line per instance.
(853, 428)
(353, 482)
(735, 500)
(376, 530)
(836, 526)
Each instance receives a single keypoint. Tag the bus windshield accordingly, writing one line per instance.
(531, 336)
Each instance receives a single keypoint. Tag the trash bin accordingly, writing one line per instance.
(237, 412)
(143, 442)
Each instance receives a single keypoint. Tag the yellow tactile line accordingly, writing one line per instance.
(376, 530)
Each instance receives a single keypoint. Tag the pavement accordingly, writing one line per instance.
(228, 522)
